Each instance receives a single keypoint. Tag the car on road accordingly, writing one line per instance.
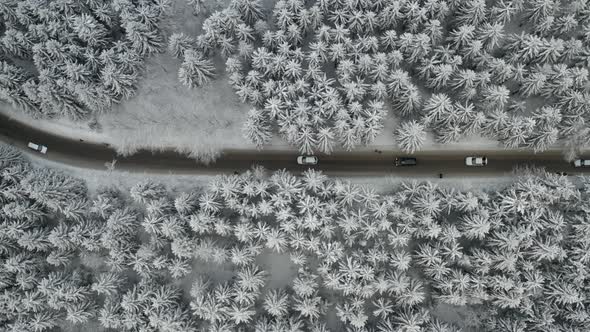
(476, 161)
(581, 163)
(307, 160)
(404, 161)
(37, 147)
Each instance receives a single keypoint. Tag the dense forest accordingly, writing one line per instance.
(75, 58)
(513, 260)
(326, 73)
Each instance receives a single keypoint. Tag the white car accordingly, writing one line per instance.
(581, 163)
(476, 161)
(38, 147)
(307, 160)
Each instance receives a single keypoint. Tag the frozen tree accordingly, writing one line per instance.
(491, 35)
(543, 139)
(276, 303)
(195, 70)
(197, 5)
(208, 203)
(250, 10)
(186, 203)
(537, 10)
(90, 30)
(308, 307)
(411, 136)
(44, 320)
(472, 12)
(434, 30)
(179, 43)
(144, 192)
(462, 36)
(250, 278)
(119, 83)
(60, 258)
(10, 156)
(441, 76)
(11, 80)
(437, 107)
(107, 284)
(503, 11)
(533, 84)
(409, 101)
(15, 42)
(449, 133)
(496, 97)
(143, 39)
(325, 140)
(501, 71)
(256, 129)
(53, 189)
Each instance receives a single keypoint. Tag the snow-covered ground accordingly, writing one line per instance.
(167, 115)
(96, 179)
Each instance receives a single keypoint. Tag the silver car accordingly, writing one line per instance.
(581, 163)
(37, 147)
(307, 160)
(476, 161)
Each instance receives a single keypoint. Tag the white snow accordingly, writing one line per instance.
(167, 115)
(387, 184)
(164, 114)
(96, 179)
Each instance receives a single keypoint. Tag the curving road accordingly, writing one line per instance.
(430, 163)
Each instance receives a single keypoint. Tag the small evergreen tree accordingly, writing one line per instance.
(195, 70)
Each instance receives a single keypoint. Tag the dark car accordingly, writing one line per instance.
(404, 161)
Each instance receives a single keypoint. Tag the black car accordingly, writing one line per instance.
(404, 161)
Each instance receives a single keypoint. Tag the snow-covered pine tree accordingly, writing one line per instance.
(411, 136)
(195, 70)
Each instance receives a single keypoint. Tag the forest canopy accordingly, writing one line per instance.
(75, 58)
(325, 74)
(145, 259)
